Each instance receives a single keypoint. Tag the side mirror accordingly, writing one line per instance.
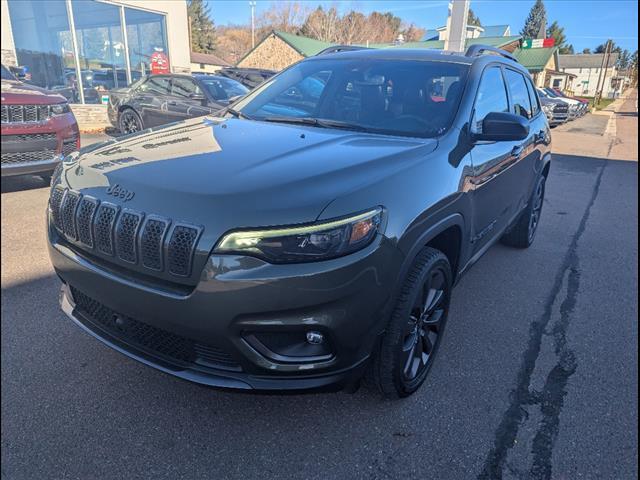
(503, 127)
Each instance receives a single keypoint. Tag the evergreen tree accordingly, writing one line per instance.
(536, 21)
(203, 32)
(557, 32)
(473, 19)
(624, 60)
(586, 51)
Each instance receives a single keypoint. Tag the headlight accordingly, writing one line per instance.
(320, 241)
(60, 108)
(547, 108)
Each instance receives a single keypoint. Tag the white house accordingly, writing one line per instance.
(588, 68)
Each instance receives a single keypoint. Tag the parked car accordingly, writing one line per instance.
(38, 128)
(584, 101)
(249, 77)
(162, 99)
(301, 249)
(556, 110)
(576, 108)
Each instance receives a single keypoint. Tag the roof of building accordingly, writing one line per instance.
(592, 60)
(485, 31)
(207, 59)
(305, 46)
(439, 44)
(534, 59)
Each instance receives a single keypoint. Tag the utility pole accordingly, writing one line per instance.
(603, 66)
(457, 25)
(252, 4)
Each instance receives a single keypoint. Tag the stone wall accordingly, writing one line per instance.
(91, 117)
(272, 53)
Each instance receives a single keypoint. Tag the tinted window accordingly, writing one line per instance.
(184, 87)
(491, 97)
(520, 103)
(401, 97)
(535, 102)
(222, 88)
(158, 85)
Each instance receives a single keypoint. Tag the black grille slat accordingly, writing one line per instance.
(153, 339)
(181, 248)
(68, 214)
(103, 228)
(54, 203)
(25, 113)
(84, 220)
(151, 242)
(126, 236)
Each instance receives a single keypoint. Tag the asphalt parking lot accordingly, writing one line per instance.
(537, 376)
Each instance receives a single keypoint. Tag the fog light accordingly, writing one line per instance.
(315, 338)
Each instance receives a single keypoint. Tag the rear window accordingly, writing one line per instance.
(402, 97)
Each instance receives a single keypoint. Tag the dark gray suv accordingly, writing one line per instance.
(312, 234)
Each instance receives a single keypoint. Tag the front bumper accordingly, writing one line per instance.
(237, 300)
(38, 147)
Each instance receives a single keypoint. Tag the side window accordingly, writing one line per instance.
(533, 97)
(184, 87)
(491, 97)
(158, 85)
(520, 103)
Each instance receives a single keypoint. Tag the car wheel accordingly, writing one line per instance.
(523, 232)
(129, 121)
(407, 350)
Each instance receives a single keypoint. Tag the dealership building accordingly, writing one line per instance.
(84, 48)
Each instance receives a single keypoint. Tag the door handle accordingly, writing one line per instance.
(517, 151)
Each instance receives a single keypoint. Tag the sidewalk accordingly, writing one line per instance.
(618, 141)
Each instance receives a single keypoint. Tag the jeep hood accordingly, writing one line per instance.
(231, 173)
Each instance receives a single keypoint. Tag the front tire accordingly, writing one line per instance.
(523, 232)
(129, 121)
(407, 350)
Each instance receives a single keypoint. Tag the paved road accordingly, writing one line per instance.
(537, 376)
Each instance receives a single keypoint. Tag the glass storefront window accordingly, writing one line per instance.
(42, 39)
(45, 47)
(100, 48)
(146, 36)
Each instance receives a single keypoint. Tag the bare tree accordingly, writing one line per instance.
(284, 16)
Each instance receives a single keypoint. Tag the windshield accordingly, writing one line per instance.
(6, 74)
(551, 93)
(223, 88)
(397, 97)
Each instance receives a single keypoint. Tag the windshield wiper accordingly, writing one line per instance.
(318, 122)
(236, 113)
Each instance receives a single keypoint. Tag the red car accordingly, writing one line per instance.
(38, 128)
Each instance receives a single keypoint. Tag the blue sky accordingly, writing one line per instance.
(587, 23)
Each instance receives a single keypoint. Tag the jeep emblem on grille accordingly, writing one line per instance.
(119, 192)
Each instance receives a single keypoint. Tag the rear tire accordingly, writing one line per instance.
(406, 352)
(523, 232)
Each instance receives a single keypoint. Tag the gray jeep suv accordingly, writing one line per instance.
(311, 234)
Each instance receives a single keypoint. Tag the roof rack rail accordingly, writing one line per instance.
(479, 49)
(340, 48)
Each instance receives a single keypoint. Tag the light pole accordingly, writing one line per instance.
(252, 4)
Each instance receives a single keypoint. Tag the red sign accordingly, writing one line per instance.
(159, 63)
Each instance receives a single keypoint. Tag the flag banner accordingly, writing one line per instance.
(538, 42)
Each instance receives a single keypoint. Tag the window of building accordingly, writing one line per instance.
(100, 48)
(45, 46)
(42, 39)
(146, 35)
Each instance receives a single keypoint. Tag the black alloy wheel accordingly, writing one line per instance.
(129, 122)
(536, 209)
(423, 326)
(406, 352)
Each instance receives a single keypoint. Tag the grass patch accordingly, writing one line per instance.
(604, 102)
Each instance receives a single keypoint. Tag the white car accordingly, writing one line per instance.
(576, 107)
